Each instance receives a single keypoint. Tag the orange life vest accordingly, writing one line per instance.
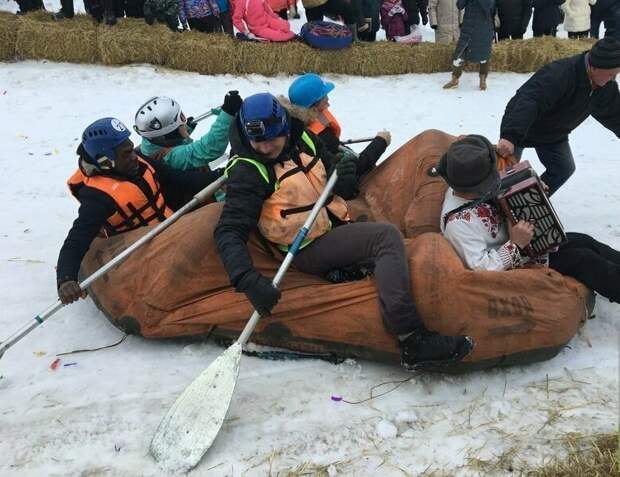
(299, 184)
(135, 207)
(325, 120)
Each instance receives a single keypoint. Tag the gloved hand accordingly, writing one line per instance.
(345, 153)
(260, 291)
(348, 182)
(424, 16)
(232, 103)
(386, 136)
(70, 291)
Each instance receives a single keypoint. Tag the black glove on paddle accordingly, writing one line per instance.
(348, 182)
(260, 291)
(232, 103)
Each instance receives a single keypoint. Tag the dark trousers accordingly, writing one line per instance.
(578, 34)
(66, 6)
(546, 32)
(593, 263)
(558, 161)
(381, 244)
(208, 24)
(507, 34)
(333, 7)
(226, 21)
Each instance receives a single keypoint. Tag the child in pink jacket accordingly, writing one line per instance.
(257, 18)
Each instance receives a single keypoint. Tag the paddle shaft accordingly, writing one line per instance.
(197, 119)
(41, 317)
(292, 251)
(355, 141)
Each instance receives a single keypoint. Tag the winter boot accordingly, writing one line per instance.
(483, 82)
(426, 348)
(457, 71)
(484, 72)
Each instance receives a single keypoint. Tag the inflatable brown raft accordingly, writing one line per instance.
(176, 285)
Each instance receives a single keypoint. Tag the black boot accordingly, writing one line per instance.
(426, 348)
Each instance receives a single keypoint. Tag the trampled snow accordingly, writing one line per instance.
(97, 416)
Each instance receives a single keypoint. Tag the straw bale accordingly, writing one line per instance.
(208, 54)
(132, 40)
(40, 37)
(8, 35)
(522, 56)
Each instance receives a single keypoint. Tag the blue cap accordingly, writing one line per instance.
(262, 117)
(101, 138)
(309, 89)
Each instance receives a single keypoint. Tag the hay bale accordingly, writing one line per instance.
(131, 40)
(8, 35)
(523, 56)
(208, 54)
(40, 37)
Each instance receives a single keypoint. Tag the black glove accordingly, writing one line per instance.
(191, 124)
(260, 291)
(232, 103)
(434, 27)
(424, 16)
(348, 182)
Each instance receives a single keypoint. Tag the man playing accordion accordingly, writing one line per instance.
(482, 237)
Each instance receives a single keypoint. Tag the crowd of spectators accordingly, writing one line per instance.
(268, 20)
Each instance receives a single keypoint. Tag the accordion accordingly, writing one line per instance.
(522, 197)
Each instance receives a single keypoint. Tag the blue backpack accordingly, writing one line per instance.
(326, 35)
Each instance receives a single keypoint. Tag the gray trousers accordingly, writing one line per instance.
(558, 161)
(381, 244)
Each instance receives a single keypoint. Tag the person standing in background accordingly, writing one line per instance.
(475, 40)
(445, 19)
(514, 17)
(577, 17)
(547, 17)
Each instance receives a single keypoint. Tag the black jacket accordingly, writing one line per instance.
(367, 158)
(514, 16)
(557, 99)
(547, 15)
(246, 190)
(607, 11)
(96, 206)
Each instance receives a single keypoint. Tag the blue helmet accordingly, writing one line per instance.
(309, 89)
(263, 117)
(100, 139)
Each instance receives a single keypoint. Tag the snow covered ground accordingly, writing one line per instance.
(97, 416)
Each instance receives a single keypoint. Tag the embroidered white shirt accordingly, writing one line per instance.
(479, 235)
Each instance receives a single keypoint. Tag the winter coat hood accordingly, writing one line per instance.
(305, 115)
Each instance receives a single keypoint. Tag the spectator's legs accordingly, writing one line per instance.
(485, 67)
(315, 14)
(226, 21)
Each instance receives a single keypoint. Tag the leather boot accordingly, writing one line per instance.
(483, 82)
(457, 71)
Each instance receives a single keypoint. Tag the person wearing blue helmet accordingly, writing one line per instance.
(277, 171)
(117, 192)
(308, 101)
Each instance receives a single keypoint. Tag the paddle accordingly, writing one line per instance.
(191, 425)
(200, 197)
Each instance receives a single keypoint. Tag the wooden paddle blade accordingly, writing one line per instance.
(194, 420)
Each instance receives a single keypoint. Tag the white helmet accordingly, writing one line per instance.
(158, 116)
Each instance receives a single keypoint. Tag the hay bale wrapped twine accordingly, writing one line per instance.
(40, 37)
(8, 35)
(36, 36)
